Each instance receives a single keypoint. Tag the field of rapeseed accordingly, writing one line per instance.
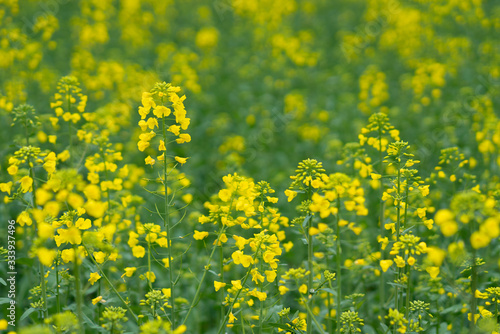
(250, 166)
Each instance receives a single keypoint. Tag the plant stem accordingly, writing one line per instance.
(166, 223)
(339, 268)
(221, 264)
(309, 261)
(78, 292)
(198, 289)
(381, 220)
(41, 268)
(473, 301)
(239, 291)
(314, 320)
(58, 303)
(99, 268)
(407, 310)
(398, 227)
(149, 264)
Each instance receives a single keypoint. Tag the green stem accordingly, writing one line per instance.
(198, 289)
(99, 268)
(41, 268)
(381, 219)
(70, 132)
(339, 268)
(149, 264)
(330, 321)
(239, 291)
(166, 223)
(407, 310)
(78, 289)
(313, 318)
(310, 277)
(58, 303)
(222, 292)
(473, 301)
(398, 227)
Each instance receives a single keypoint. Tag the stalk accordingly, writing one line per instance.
(221, 264)
(78, 289)
(198, 289)
(309, 261)
(407, 310)
(166, 223)
(99, 268)
(381, 219)
(339, 269)
(398, 227)
(149, 264)
(58, 303)
(239, 291)
(41, 269)
(473, 301)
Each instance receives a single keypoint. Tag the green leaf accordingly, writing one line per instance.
(4, 300)
(27, 313)
(3, 282)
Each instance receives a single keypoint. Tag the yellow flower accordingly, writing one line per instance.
(161, 111)
(290, 194)
(12, 170)
(150, 276)
(175, 129)
(218, 285)
(129, 271)
(180, 160)
(167, 292)
(24, 219)
(270, 275)
(71, 235)
(200, 235)
(443, 215)
(6, 187)
(283, 289)
(45, 230)
(26, 184)
(142, 145)
(96, 300)
(303, 289)
(162, 146)
(142, 123)
(449, 228)
(149, 161)
(433, 271)
(225, 195)
(99, 256)
(3, 324)
(46, 256)
(411, 260)
(436, 255)
(479, 240)
(400, 262)
(152, 123)
(94, 277)
(385, 264)
(83, 224)
(68, 255)
(138, 251)
(240, 258)
(183, 138)
(313, 231)
(236, 284)
(50, 163)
